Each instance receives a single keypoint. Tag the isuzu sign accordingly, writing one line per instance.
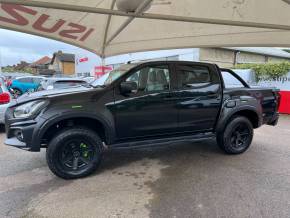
(21, 16)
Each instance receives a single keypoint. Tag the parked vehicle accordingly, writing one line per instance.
(5, 99)
(89, 79)
(139, 105)
(60, 83)
(101, 80)
(22, 85)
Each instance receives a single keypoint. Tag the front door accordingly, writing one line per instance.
(199, 97)
(150, 110)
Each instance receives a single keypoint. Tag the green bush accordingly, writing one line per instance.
(267, 70)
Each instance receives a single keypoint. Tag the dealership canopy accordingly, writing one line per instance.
(111, 27)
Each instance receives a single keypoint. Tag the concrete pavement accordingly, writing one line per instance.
(186, 180)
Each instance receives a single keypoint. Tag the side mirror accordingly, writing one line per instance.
(128, 87)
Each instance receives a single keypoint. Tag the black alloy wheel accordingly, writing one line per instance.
(240, 136)
(237, 136)
(74, 153)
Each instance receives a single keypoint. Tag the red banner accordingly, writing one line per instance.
(102, 70)
(285, 102)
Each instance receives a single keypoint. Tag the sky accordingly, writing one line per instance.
(16, 47)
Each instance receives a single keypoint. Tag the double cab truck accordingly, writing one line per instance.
(136, 105)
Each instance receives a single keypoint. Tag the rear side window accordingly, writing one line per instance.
(230, 81)
(193, 76)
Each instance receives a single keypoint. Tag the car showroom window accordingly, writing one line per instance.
(193, 76)
(151, 79)
(230, 81)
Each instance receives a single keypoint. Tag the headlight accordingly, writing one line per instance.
(28, 109)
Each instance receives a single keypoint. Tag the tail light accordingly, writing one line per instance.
(4, 98)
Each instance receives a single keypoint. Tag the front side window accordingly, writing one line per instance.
(151, 79)
(193, 76)
(115, 74)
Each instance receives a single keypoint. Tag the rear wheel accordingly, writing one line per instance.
(237, 136)
(74, 153)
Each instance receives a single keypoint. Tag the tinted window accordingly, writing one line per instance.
(151, 79)
(193, 76)
(230, 81)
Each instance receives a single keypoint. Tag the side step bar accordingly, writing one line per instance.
(161, 142)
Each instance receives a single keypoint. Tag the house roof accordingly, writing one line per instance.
(63, 57)
(42, 61)
(275, 52)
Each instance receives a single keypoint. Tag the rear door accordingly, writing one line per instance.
(199, 94)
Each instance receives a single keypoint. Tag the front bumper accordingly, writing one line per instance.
(21, 135)
(14, 142)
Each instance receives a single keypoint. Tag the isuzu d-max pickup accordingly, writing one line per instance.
(136, 105)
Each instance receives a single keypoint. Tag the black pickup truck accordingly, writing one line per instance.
(137, 105)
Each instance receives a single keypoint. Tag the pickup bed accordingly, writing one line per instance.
(138, 105)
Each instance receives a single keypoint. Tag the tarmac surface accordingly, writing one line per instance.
(184, 180)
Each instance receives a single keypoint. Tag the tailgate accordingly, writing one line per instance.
(270, 104)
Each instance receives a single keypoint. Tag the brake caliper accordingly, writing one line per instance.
(84, 149)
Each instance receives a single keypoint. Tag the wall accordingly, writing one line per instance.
(244, 57)
(276, 59)
(68, 68)
(221, 57)
(226, 58)
(56, 66)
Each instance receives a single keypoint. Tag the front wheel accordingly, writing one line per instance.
(237, 136)
(74, 153)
